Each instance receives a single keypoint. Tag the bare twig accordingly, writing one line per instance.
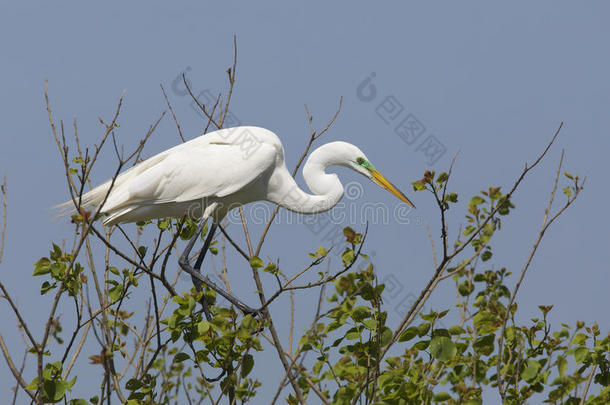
(18, 315)
(13, 368)
(3, 232)
(548, 219)
(171, 110)
(589, 378)
(16, 388)
(77, 352)
(201, 106)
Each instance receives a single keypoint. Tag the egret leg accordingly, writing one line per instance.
(200, 279)
(198, 283)
(206, 246)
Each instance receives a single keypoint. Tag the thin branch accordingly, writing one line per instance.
(171, 110)
(546, 222)
(77, 352)
(3, 191)
(201, 106)
(231, 72)
(18, 314)
(150, 131)
(13, 368)
(584, 394)
(16, 389)
(232, 242)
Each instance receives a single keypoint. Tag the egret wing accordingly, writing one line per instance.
(202, 170)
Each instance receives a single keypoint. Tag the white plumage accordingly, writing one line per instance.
(216, 172)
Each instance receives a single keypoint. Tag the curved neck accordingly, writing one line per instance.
(326, 187)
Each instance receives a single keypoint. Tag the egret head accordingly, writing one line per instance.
(356, 160)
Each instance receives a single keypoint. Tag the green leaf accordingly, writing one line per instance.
(370, 324)
(54, 391)
(468, 230)
(580, 354)
(466, 288)
(317, 367)
(408, 334)
(56, 253)
(256, 262)
(442, 177)
(33, 385)
(204, 231)
(421, 345)
(531, 371)
(579, 339)
(203, 327)
(46, 287)
(386, 336)
(350, 234)
(188, 229)
(487, 233)
(180, 357)
(485, 344)
(271, 268)
(142, 251)
(78, 401)
(116, 292)
(360, 312)
(456, 330)
(441, 397)
(247, 365)
(353, 335)
(347, 257)
(42, 266)
(485, 322)
(451, 197)
(442, 348)
(164, 223)
(423, 329)
(440, 332)
(133, 384)
(562, 365)
(429, 317)
(476, 200)
(418, 185)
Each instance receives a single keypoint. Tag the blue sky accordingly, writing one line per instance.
(488, 79)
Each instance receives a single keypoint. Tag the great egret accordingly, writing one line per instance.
(214, 173)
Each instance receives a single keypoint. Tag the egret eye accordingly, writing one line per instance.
(360, 160)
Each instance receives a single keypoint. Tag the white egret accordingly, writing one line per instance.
(214, 173)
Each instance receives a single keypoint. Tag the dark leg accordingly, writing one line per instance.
(206, 245)
(199, 279)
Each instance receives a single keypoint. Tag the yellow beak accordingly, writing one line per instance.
(383, 182)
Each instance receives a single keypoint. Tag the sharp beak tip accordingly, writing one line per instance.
(383, 182)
